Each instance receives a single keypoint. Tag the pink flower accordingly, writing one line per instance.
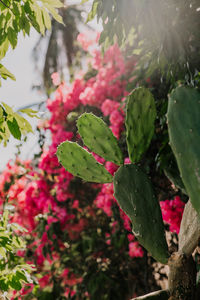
(130, 237)
(105, 198)
(127, 161)
(44, 281)
(86, 41)
(108, 106)
(172, 211)
(111, 167)
(135, 250)
(55, 78)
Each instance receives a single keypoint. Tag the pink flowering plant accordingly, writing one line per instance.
(133, 187)
(78, 236)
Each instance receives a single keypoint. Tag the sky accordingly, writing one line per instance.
(19, 93)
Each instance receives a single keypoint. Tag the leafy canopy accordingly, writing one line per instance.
(15, 17)
(20, 16)
(164, 34)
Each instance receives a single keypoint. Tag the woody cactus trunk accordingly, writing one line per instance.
(133, 188)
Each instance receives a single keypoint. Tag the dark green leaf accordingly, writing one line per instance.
(15, 283)
(14, 128)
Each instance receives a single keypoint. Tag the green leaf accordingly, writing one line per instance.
(5, 218)
(46, 18)
(3, 285)
(15, 8)
(93, 11)
(24, 125)
(3, 252)
(15, 283)
(39, 17)
(54, 13)
(12, 37)
(18, 243)
(14, 128)
(26, 26)
(21, 276)
(1, 116)
(5, 134)
(8, 109)
(4, 48)
(4, 73)
(30, 112)
(16, 226)
(53, 3)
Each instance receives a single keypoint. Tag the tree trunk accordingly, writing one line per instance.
(182, 277)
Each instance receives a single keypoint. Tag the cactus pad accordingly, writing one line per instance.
(81, 163)
(134, 193)
(98, 137)
(173, 174)
(184, 134)
(189, 231)
(140, 118)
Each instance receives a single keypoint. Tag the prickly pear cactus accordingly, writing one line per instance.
(98, 137)
(81, 163)
(184, 133)
(140, 118)
(189, 231)
(133, 191)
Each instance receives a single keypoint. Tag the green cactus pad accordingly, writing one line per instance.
(98, 137)
(134, 193)
(183, 118)
(81, 163)
(140, 118)
(173, 174)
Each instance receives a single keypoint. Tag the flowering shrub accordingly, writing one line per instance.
(78, 237)
(172, 211)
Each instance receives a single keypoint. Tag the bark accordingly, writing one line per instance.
(182, 277)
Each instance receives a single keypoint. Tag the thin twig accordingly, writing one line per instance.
(4, 4)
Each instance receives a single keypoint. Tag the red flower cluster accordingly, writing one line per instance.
(172, 211)
(41, 193)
